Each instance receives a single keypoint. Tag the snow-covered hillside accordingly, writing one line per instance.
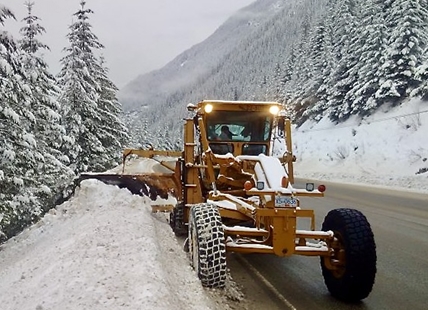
(389, 148)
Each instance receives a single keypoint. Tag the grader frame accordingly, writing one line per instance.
(274, 228)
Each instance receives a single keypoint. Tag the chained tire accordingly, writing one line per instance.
(176, 220)
(207, 249)
(354, 255)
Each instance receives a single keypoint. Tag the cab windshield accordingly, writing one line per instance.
(239, 126)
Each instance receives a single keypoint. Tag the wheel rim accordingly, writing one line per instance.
(336, 262)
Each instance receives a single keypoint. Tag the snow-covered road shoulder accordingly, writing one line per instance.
(103, 249)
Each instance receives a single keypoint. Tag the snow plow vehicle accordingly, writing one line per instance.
(235, 191)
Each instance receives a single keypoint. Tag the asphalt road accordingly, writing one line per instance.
(400, 224)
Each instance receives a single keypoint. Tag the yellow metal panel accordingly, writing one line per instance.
(289, 151)
(283, 229)
(192, 185)
(238, 248)
(233, 214)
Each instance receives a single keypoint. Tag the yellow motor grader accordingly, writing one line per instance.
(234, 186)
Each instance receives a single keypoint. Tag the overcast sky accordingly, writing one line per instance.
(138, 35)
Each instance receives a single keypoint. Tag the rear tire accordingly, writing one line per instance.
(176, 220)
(355, 250)
(207, 249)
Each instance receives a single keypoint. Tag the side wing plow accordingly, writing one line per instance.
(149, 184)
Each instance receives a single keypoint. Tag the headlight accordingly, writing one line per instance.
(274, 110)
(208, 108)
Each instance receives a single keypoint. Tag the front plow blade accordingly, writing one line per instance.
(150, 184)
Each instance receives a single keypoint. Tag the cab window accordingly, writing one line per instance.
(238, 126)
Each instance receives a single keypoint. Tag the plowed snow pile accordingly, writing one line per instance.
(103, 249)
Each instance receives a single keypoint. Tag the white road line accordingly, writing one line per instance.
(267, 283)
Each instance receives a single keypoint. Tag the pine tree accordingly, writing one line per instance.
(317, 61)
(407, 42)
(140, 136)
(85, 102)
(333, 60)
(314, 92)
(370, 46)
(302, 72)
(287, 75)
(51, 176)
(277, 84)
(421, 74)
(18, 156)
(325, 63)
(111, 131)
(343, 24)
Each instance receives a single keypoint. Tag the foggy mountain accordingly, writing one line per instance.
(318, 58)
(200, 61)
(227, 65)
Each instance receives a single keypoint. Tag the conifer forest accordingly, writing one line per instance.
(52, 127)
(319, 58)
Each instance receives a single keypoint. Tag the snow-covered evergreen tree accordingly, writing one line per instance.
(316, 61)
(277, 84)
(85, 102)
(111, 131)
(18, 154)
(407, 22)
(333, 60)
(343, 25)
(302, 71)
(369, 47)
(325, 62)
(287, 75)
(422, 69)
(422, 76)
(51, 175)
(141, 136)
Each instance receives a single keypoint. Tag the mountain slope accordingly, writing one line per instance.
(230, 64)
(315, 57)
(197, 61)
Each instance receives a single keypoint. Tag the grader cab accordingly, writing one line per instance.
(234, 186)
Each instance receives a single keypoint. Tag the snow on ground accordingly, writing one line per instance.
(389, 148)
(105, 249)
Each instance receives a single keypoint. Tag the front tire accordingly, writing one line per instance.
(349, 273)
(207, 249)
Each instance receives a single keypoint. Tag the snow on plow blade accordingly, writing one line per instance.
(150, 184)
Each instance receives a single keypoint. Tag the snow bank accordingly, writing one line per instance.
(103, 249)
